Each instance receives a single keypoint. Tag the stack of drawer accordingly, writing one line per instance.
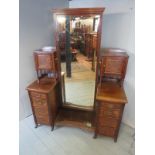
(109, 116)
(110, 102)
(39, 103)
(43, 101)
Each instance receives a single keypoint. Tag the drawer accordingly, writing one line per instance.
(39, 100)
(42, 115)
(41, 112)
(113, 113)
(43, 120)
(109, 106)
(34, 94)
(109, 122)
(107, 131)
(38, 95)
(39, 103)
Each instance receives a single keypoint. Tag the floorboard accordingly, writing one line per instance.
(71, 141)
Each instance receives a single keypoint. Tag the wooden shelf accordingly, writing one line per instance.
(75, 118)
(75, 124)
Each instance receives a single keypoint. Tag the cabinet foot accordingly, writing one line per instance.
(115, 139)
(52, 128)
(95, 136)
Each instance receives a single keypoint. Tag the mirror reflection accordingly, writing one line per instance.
(77, 43)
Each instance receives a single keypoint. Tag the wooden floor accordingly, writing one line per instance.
(71, 141)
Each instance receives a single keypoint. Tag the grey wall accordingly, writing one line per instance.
(118, 31)
(36, 31)
(112, 6)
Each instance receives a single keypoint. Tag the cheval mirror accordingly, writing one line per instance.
(77, 39)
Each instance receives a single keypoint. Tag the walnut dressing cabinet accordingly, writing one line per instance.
(47, 94)
(110, 101)
(43, 97)
(110, 94)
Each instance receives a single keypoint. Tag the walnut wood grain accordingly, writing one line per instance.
(46, 62)
(110, 101)
(44, 103)
(44, 86)
(113, 64)
(111, 92)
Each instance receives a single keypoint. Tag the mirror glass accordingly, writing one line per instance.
(77, 44)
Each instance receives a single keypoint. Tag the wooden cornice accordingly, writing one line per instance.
(78, 11)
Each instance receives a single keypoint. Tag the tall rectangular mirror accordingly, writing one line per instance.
(78, 35)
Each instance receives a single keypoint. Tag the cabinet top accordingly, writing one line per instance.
(111, 92)
(45, 86)
(113, 52)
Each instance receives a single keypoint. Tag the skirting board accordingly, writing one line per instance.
(128, 123)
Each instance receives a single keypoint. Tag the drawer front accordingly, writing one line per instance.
(40, 107)
(110, 110)
(109, 122)
(38, 95)
(113, 113)
(110, 106)
(38, 100)
(108, 118)
(41, 111)
(43, 120)
(107, 131)
(42, 115)
(39, 103)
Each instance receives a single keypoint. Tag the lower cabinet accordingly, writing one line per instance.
(43, 102)
(108, 119)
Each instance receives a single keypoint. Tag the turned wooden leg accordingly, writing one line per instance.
(95, 135)
(36, 125)
(52, 127)
(115, 139)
